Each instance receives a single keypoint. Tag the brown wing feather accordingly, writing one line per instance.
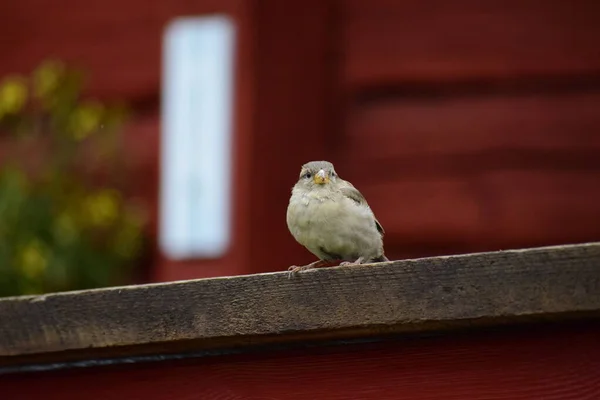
(352, 193)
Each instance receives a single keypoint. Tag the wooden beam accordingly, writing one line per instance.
(429, 294)
(294, 69)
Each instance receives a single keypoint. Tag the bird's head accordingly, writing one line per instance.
(317, 174)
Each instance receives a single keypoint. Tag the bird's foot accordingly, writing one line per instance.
(359, 260)
(295, 269)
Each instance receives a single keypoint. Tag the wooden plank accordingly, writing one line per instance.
(546, 362)
(535, 127)
(541, 206)
(423, 211)
(387, 41)
(369, 300)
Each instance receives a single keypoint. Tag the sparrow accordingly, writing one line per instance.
(332, 219)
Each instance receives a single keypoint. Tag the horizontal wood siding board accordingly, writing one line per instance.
(492, 171)
(552, 129)
(386, 41)
(492, 209)
(400, 296)
(525, 363)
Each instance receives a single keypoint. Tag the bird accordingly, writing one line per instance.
(332, 219)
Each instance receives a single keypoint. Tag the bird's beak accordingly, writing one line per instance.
(321, 178)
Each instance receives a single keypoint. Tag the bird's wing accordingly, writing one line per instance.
(352, 193)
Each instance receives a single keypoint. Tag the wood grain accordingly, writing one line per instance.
(547, 362)
(370, 300)
(386, 41)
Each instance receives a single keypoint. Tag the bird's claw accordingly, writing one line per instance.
(359, 261)
(295, 269)
(347, 263)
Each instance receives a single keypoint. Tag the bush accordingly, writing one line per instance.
(64, 221)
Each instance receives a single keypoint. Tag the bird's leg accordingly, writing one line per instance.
(359, 260)
(316, 264)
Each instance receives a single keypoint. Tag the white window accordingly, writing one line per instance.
(196, 137)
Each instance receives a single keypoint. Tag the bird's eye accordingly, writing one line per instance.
(333, 174)
(308, 175)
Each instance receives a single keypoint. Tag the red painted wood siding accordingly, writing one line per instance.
(542, 363)
(472, 125)
(468, 125)
(387, 41)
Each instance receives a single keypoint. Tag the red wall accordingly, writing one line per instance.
(467, 125)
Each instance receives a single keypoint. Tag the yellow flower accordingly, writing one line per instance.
(102, 208)
(86, 119)
(47, 77)
(33, 259)
(13, 95)
(65, 230)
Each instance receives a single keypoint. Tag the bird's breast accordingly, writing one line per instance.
(308, 213)
(336, 225)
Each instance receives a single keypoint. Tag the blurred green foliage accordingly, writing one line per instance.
(64, 222)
